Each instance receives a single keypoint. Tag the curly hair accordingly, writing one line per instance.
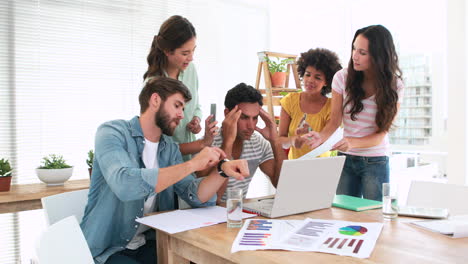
(323, 60)
(384, 64)
(174, 32)
(242, 93)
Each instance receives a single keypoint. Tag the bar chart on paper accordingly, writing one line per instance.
(255, 238)
(343, 244)
(350, 240)
(258, 234)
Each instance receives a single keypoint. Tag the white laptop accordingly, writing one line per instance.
(303, 186)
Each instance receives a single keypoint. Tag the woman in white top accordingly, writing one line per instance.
(365, 98)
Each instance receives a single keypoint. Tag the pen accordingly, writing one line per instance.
(249, 212)
(269, 198)
(303, 122)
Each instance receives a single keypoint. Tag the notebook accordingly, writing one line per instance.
(355, 203)
(303, 186)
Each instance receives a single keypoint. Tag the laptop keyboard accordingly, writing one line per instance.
(264, 205)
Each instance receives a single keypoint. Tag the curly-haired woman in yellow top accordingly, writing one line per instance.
(311, 108)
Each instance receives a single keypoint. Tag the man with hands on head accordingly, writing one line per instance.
(239, 140)
(138, 168)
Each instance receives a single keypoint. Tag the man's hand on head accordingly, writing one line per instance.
(270, 131)
(229, 125)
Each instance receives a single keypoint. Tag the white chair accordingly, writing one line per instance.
(63, 242)
(59, 206)
(439, 195)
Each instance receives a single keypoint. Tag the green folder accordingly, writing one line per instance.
(355, 203)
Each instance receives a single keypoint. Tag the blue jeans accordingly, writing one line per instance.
(145, 254)
(363, 176)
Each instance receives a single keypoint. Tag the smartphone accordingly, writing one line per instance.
(213, 112)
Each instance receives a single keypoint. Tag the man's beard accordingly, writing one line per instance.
(163, 121)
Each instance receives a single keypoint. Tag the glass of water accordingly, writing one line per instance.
(389, 200)
(234, 207)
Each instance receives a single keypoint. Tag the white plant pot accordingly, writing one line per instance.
(54, 177)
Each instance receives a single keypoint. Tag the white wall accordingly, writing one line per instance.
(457, 73)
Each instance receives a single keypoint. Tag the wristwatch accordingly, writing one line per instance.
(220, 171)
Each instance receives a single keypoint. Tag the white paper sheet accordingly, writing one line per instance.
(182, 220)
(455, 226)
(326, 146)
(329, 236)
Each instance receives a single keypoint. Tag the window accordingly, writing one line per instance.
(71, 65)
(67, 66)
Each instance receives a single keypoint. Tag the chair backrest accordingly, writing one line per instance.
(63, 242)
(439, 195)
(59, 206)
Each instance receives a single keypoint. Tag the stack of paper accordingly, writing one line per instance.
(182, 220)
(326, 146)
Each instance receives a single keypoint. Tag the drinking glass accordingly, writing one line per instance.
(234, 207)
(389, 200)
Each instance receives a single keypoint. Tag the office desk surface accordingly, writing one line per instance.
(399, 242)
(23, 197)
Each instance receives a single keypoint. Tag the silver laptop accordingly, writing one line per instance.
(303, 186)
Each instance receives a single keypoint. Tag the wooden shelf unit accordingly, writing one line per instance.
(271, 94)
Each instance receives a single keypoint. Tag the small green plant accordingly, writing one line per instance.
(5, 168)
(54, 162)
(277, 64)
(90, 159)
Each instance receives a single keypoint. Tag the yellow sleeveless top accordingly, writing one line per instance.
(291, 104)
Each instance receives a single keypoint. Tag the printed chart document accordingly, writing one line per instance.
(326, 146)
(258, 234)
(336, 237)
(455, 226)
(329, 236)
(183, 220)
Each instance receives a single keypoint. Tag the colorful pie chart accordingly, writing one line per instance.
(353, 230)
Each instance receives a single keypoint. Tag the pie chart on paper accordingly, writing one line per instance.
(353, 230)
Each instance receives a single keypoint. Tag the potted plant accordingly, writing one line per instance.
(277, 68)
(54, 170)
(89, 161)
(5, 175)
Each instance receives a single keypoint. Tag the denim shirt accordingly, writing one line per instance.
(120, 183)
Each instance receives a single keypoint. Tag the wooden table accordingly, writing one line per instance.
(23, 197)
(399, 242)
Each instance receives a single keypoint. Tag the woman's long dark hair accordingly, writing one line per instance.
(384, 65)
(174, 32)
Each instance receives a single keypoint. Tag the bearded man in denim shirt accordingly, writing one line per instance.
(138, 168)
